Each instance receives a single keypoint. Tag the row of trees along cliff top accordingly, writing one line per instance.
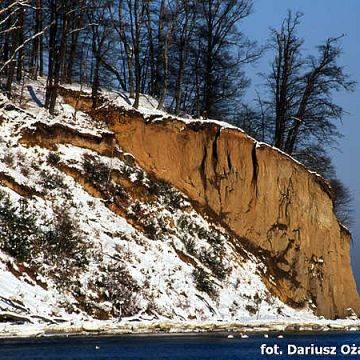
(190, 56)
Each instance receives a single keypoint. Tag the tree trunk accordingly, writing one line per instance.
(20, 55)
(72, 53)
(179, 78)
(52, 53)
(137, 49)
(151, 52)
(208, 78)
(35, 53)
(164, 86)
(96, 83)
(56, 58)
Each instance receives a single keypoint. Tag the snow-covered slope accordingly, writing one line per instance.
(106, 240)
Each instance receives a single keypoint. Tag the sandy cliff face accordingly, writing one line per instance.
(134, 246)
(282, 212)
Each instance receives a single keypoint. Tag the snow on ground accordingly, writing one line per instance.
(155, 242)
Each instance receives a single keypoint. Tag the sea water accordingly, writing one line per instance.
(191, 347)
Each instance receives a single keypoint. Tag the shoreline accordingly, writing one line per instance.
(171, 328)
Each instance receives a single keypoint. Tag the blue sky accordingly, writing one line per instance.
(324, 18)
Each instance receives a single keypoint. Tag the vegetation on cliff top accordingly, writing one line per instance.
(190, 56)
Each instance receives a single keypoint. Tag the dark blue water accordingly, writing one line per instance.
(216, 346)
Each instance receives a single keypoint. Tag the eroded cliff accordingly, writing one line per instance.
(282, 212)
(87, 234)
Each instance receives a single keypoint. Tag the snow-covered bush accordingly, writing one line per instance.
(136, 208)
(213, 261)
(52, 181)
(63, 240)
(119, 191)
(151, 228)
(18, 229)
(8, 159)
(214, 240)
(127, 171)
(95, 170)
(183, 223)
(56, 243)
(203, 282)
(173, 199)
(53, 158)
(190, 246)
(119, 288)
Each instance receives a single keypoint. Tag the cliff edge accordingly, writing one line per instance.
(282, 212)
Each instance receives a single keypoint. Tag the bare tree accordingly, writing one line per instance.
(57, 40)
(302, 106)
(100, 45)
(301, 112)
(185, 26)
(37, 51)
(219, 30)
(315, 107)
(342, 199)
(137, 15)
(12, 21)
(285, 72)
